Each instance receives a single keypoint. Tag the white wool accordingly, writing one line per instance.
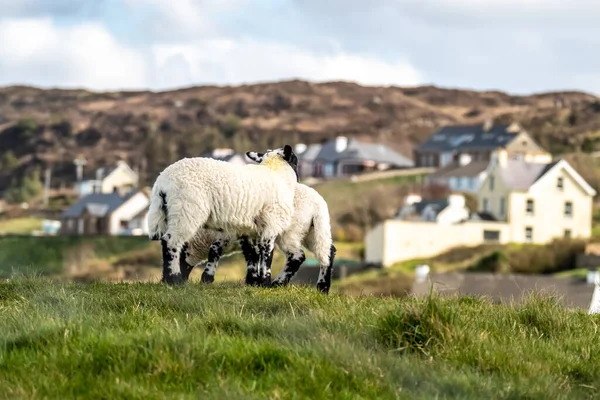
(310, 227)
(252, 199)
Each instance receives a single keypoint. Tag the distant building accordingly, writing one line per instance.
(106, 179)
(573, 293)
(461, 144)
(345, 157)
(450, 210)
(107, 214)
(229, 155)
(539, 201)
(518, 202)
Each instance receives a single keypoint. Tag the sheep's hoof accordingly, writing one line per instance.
(252, 280)
(266, 281)
(207, 278)
(277, 283)
(174, 279)
(323, 287)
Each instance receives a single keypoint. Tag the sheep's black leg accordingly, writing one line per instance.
(267, 247)
(185, 268)
(171, 262)
(252, 256)
(292, 263)
(215, 252)
(324, 281)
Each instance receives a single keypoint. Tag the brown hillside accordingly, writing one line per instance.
(152, 129)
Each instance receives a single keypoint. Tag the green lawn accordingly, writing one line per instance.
(20, 226)
(232, 342)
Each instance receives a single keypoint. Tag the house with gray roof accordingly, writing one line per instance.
(476, 143)
(575, 293)
(105, 179)
(344, 156)
(450, 210)
(539, 201)
(106, 214)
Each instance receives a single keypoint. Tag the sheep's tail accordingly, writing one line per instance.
(321, 234)
(157, 214)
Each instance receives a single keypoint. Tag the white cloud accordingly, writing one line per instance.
(35, 51)
(244, 61)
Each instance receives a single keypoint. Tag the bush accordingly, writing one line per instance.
(559, 255)
(496, 262)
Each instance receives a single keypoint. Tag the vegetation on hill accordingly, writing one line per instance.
(52, 127)
(227, 341)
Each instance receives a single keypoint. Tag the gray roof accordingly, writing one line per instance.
(520, 175)
(454, 169)
(468, 137)
(97, 204)
(506, 287)
(436, 205)
(312, 151)
(356, 150)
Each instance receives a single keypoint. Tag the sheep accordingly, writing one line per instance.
(310, 227)
(245, 201)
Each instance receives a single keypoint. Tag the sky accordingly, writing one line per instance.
(518, 46)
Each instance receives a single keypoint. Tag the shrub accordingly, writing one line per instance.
(496, 262)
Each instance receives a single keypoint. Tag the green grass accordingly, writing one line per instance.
(48, 255)
(20, 226)
(234, 342)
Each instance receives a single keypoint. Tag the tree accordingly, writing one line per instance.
(25, 189)
(8, 161)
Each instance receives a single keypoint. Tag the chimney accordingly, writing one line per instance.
(500, 156)
(341, 142)
(464, 159)
(487, 124)
(421, 273)
(593, 277)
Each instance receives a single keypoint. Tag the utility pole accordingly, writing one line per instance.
(47, 177)
(79, 163)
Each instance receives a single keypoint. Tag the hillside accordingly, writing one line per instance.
(232, 342)
(52, 127)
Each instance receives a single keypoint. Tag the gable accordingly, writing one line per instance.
(523, 142)
(121, 170)
(563, 168)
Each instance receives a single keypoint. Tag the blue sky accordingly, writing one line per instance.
(519, 46)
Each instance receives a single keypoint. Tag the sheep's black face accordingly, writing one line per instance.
(287, 153)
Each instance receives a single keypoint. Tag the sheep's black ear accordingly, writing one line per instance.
(254, 156)
(287, 152)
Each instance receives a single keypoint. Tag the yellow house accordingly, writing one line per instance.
(539, 201)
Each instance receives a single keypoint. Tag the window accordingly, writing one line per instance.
(567, 233)
(559, 183)
(485, 204)
(502, 206)
(491, 236)
(568, 209)
(528, 234)
(491, 183)
(529, 207)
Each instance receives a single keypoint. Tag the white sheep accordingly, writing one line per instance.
(310, 227)
(244, 201)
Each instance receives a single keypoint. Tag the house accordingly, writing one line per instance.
(462, 144)
(450, 210)
(573, 293)
(229, 155)
(539, 202)
(342, 156)
(461, 176)
(106, 214)
(106, 179)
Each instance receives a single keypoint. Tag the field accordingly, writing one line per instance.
(226, 341)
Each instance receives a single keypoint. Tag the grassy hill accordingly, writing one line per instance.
(151, 129)
(233, 342)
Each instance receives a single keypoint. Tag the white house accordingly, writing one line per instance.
(106, 179)
(447, 211)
